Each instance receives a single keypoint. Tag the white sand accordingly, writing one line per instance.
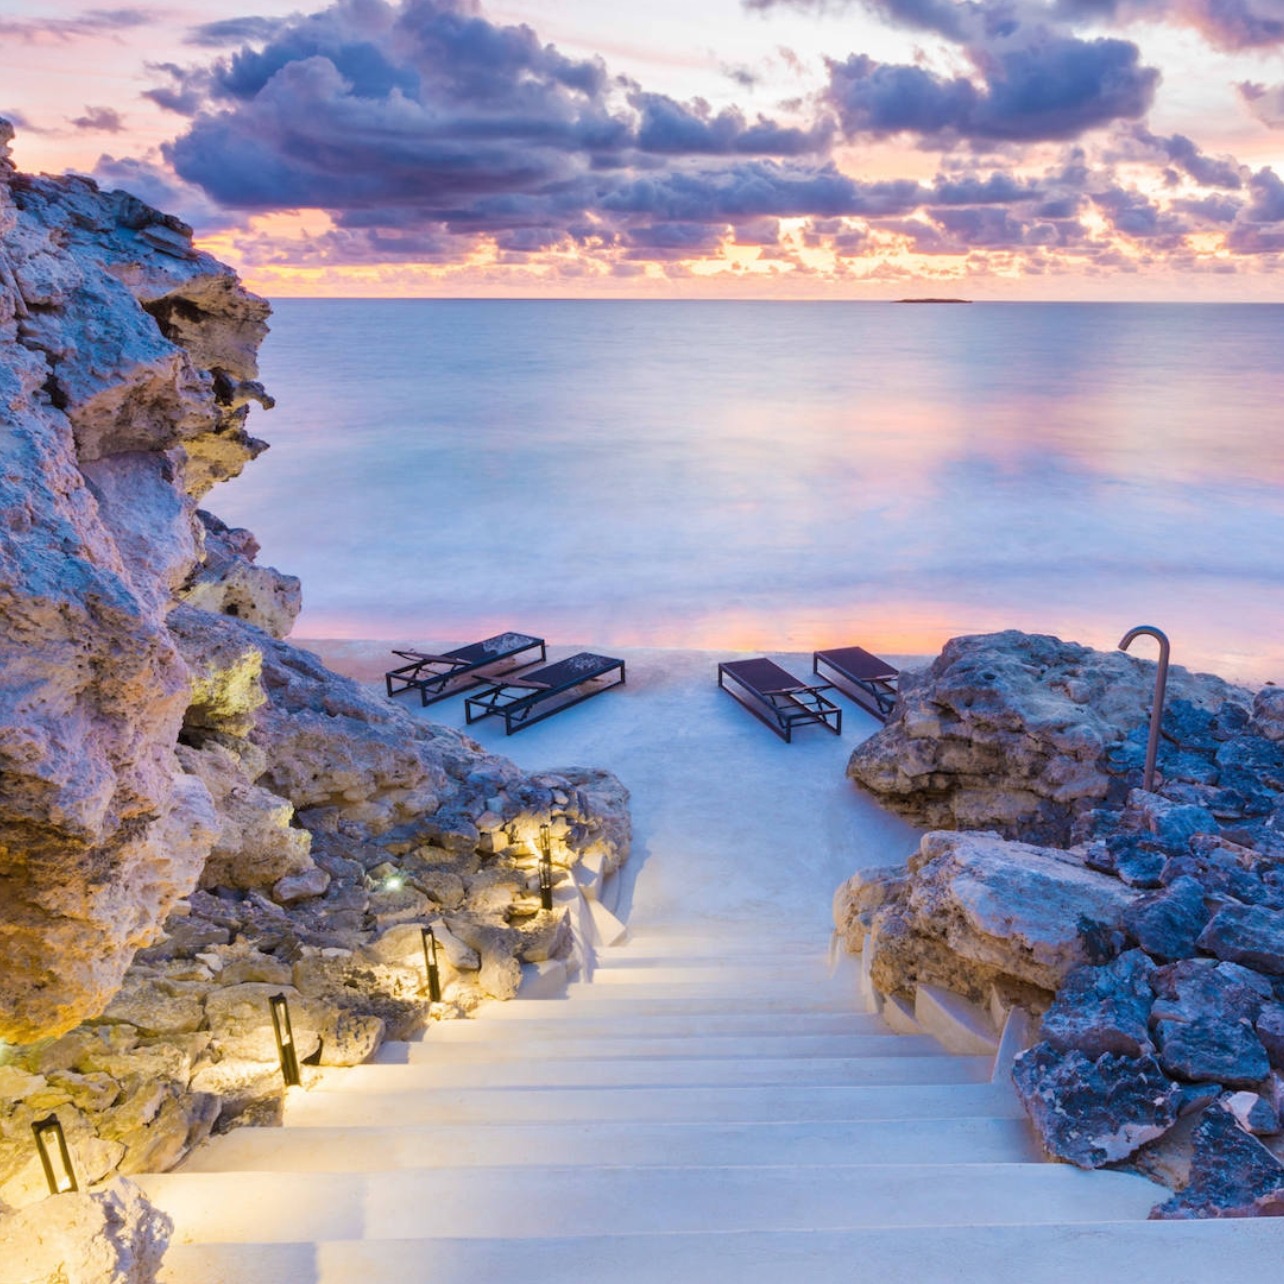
(732, 826)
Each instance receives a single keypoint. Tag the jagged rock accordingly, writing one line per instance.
(1247, 934)
(1167, 924)
(1270, 1029)
(112, 1236)
(301, 887)
(230, 582)
(1212, 1050)
(1173, 824)
(1104, 1009)
(1094, 1112)
(1013, 732)
(257, 845)
(1268, 713)
(1253, 1113)
(859, 897)
(1191, 989)
(102, 831)
(150, 1009)
(1031, 913)
(240, 1021)
(1232, 1174)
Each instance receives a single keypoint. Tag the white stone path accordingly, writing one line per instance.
(715, 1106)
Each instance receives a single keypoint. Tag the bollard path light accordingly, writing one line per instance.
(430, 963)
(545, 867)
(55, 1158)
(285, 1040)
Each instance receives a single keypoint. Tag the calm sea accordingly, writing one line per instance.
(777, 476)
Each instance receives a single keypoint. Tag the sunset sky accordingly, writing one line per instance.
(1022, 149)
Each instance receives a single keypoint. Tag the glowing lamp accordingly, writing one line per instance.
(285, 1040)
(545, 867)
(55, 1158)
(430, 963)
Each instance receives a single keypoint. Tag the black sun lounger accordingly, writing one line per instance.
(777, 698)
(871, 682)
(437, 676)
(524, 701)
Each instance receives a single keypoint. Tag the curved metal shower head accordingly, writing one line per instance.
(1157, 705)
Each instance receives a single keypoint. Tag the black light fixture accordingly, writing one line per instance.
(545, 867)
(54, 1156)
(430, 962)
(285, 1040)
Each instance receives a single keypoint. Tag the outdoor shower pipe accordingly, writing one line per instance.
(1157, 710)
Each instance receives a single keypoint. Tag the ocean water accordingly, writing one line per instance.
(777, 476)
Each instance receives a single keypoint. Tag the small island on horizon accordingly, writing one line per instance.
(933, 300)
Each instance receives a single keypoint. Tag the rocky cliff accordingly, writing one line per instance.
(194, 813)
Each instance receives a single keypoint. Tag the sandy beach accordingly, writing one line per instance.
(732, 826)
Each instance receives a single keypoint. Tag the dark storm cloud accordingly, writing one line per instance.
(90, 24)
(1057, 88)
(100, 120)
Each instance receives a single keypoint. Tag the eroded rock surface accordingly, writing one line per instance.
(1021, 733)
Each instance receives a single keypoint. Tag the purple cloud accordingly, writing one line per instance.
(233, 31)
(100, 120)
(1266, 102)
(1058, 88)
(91, 24)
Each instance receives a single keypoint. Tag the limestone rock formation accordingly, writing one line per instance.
(194, 814)
(1021, 733)
(110, 1236)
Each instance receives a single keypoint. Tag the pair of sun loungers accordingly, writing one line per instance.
(520, 701)
(773, 695)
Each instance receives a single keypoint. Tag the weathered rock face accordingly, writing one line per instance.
(178, 786)
(1021, 733)
(976, 910)
(112, 1236)
(101, 831)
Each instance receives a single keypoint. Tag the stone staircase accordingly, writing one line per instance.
(711, 1108)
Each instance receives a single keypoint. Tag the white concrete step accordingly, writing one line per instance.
(465, 1203)
(432, 1075)
(788, 1103)
(584, 1001)
(1136, 1252)
(540, 1046)
(541, 1019)
(896, 1141)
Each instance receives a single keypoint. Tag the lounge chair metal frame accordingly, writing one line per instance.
(519, 701)
(437, 676)
(778, 698)
(872, 683)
